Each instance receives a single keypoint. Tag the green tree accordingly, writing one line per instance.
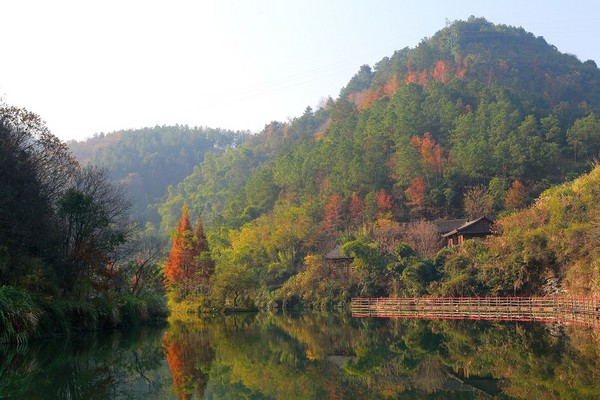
(584, 137)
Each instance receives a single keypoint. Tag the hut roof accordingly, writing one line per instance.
(336, 254)
(449, 225)
(479, 225)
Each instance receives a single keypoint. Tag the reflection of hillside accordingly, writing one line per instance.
(322, 335)
(262, 361)
(316, 356)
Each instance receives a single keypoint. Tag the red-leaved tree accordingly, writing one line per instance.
(190, 266)
(180, 264)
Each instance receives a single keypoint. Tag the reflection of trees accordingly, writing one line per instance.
(313, 357)
(94, 366)
(480, 359)
(189, 356)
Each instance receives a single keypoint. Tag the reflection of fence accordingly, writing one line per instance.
(580, 310)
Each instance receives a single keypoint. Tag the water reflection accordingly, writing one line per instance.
(314, 356)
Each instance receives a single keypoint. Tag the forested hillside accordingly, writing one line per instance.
(148, 160)
(477, 120)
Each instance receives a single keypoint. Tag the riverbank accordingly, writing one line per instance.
(24, 317)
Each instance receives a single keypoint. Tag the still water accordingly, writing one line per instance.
(311, 356)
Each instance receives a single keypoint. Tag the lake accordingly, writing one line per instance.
(311, 356)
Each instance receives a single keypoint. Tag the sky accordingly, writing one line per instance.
(88, 67)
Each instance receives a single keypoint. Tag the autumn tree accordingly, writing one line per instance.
(432, 158)
(93, 216)
(180, 268)
(357, 211)
(334, 214)
(417, 195)
(423, 237)
(385, 204)
(516, 197)
(387, 233)
(479, 202)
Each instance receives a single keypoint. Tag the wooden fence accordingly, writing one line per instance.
(579, 310)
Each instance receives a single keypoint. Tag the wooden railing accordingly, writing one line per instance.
(580, 310)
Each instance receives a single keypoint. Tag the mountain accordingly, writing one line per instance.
(148, 160)
(475, 104)
(478, 119)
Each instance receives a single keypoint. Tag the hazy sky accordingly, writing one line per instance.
(88, 67)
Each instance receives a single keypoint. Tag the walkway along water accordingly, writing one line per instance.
(576, 310)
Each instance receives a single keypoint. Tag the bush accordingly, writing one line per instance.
(19, 315)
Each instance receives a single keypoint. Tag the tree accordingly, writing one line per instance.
(204, 264)
(423, 237)
(179, 268)
(417, 195)
(94, 223)
(584, 137)
(385, 204)
(189, 268)
(35, 170)
(334, 214)
(516, 197)
(357, 211)
(479, 202)
(144, 251)
(232, 283)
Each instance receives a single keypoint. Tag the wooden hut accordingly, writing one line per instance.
(448, 225)
(336, 261)
(479, 227)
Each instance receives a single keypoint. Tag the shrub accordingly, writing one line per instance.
(18, 315)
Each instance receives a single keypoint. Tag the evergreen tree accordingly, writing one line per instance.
(204, 264)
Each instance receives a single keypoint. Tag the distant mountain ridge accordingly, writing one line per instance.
(148, 160)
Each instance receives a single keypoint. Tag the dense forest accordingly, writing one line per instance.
(146, 161)
(478, 120)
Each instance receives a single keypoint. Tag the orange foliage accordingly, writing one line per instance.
(357, 97)
(423, 78)
(385, 203)
(441, 72)
(516, 197)
(357, 210)
(411, 76)
(369, 98)
(417, 193)
(460, 72)
(180, 262)
(391, 86)
(334, 217)
(431, 152)
(183, 264)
